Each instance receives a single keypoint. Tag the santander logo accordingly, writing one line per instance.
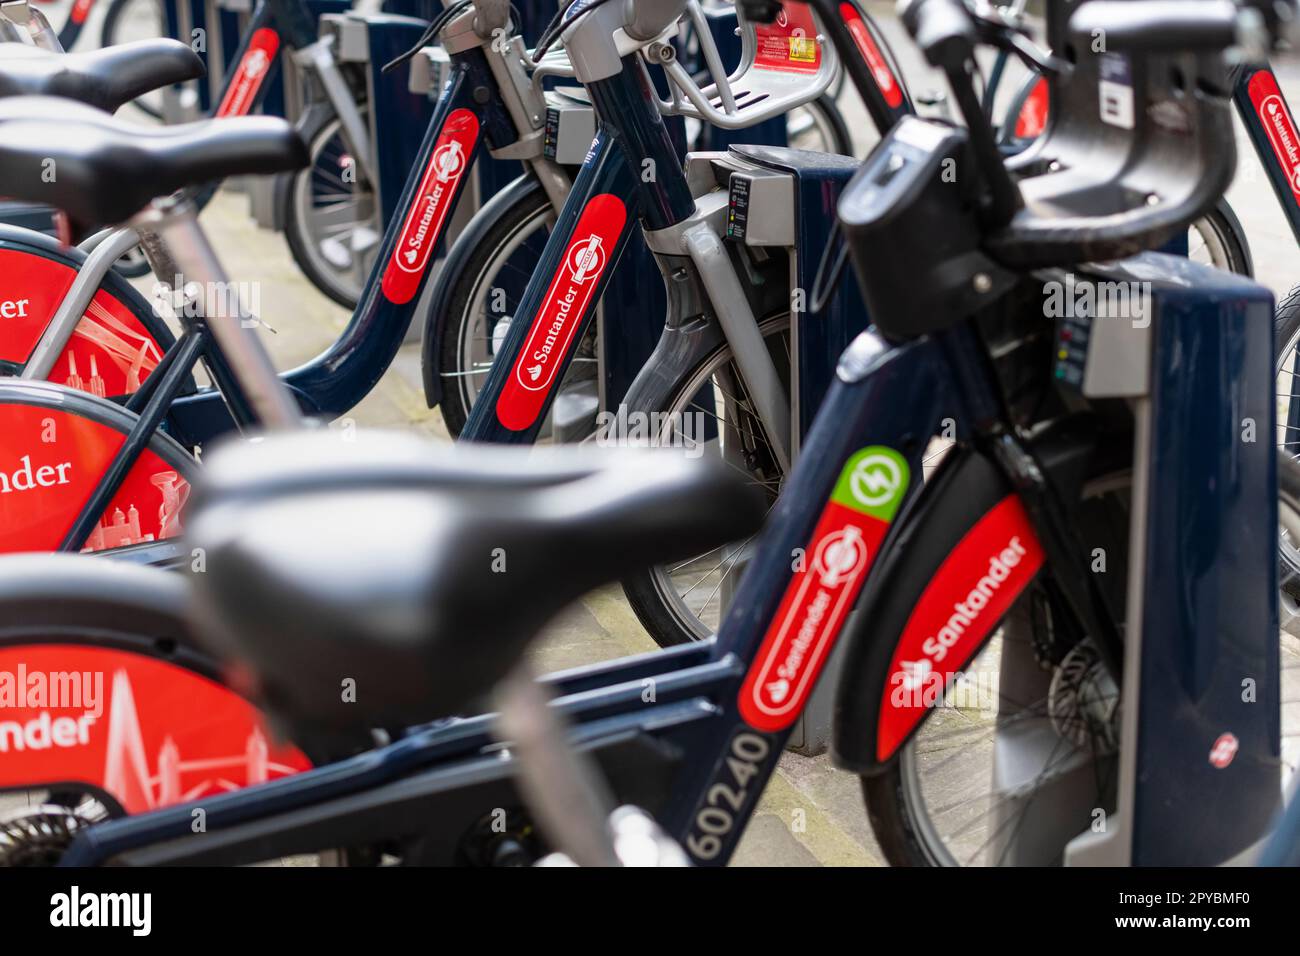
(963, 602)
(1224, 750)
(1278, 124)
(1282, 134)
(253, 68)
(431, 205)
(585, 261)
(840, 558)
(564, 306)
(27, 478)
(255, 64)
(966, 613)
(156, 734)
(447, 163)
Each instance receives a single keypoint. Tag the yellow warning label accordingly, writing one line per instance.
(803, 49)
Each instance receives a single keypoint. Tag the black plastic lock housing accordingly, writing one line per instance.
(910, 218)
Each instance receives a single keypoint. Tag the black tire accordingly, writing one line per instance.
(463, 286)
(1288, 483)
(1233, 254)
(645, 592)
(317, 133)
(1286, 322)
(108, 36)
(132, 265)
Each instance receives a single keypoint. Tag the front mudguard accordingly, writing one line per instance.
(871, 720)
(449, 276)
(690, 335)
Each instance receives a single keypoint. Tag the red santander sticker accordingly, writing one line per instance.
(81, 10)
(819, 597)
(1224, 750)
(866, 43)
(147, 732)
(431, 205)
(1278, 123)
(253, 67)
(961, 605)
(591, 246)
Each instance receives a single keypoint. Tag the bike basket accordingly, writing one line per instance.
(783, 65)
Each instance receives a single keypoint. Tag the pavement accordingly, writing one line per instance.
(811, 813)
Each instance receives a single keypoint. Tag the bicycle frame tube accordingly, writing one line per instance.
(343, 375)
(75, 23)
(632, 169)
(1268, 119)
(257, 59)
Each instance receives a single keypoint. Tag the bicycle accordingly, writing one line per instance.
(697, 751)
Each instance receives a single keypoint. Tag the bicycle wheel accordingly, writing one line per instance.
(135, 20)
(819, 126)
(708, 410)
(330, 215)
(485, 292)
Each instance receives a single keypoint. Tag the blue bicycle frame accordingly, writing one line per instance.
(631, 171)
(700, 752)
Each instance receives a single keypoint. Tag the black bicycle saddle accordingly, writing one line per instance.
(422, 573)
(105, 79)
(101, 170)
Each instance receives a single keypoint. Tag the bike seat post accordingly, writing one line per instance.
(177, 246)
(31, 25)
(561, 786)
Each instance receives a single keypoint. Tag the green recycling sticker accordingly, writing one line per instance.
(873, 482)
